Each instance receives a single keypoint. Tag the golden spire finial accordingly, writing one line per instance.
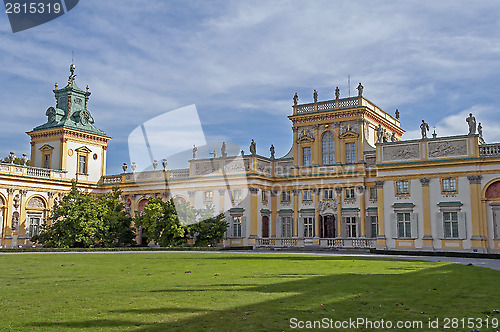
(55, 86)
(87, 88)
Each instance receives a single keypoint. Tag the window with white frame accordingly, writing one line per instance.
(264, 196)
(404, 224)
(449, 185)
(373, 193)
(328, 148)
(286, 226)
(350, 193)
(350, 153)
(351, 227)
(46, 161)
(306, 156)
(374, 225)
(236, 226)
(402, 187)
(307, 195)
(450, 220)
(82, 164)
(327, 194)
(34, 224)
(208, 196)
(308, 227)
(285, 196)
(237, 195)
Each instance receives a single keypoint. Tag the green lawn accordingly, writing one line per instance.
(168, 291)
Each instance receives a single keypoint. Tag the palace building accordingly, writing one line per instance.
(349, 181)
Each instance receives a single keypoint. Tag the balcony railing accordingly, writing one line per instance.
(348, 243)
(327, 105)
(489, 150)
(112, 179)
(280, 242)
(31, 171)
(356, 243)
(179, 174)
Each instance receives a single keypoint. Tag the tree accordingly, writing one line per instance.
(118, 230)
(17, 161)
(161, 223)
(80, 220)
(209, 231)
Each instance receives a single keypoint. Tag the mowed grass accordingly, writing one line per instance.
(179, 291)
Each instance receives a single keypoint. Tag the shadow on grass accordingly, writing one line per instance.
(419, 295)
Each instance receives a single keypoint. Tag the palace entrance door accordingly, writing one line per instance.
(327, 226)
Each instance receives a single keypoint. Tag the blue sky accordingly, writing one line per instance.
(241, 62)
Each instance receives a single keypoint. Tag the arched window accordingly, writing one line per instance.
(328, 148)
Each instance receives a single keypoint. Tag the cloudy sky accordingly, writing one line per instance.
(240, 62)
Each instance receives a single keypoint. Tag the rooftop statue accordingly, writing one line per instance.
(397, 114)
(337, 93)
(393, 137)
(360, 90)
(380, 133)
(223, 150)
(295, 99)
(471, 120)
(253, 147)
(315, 96)
(424, 128)
(480, 130)
(272, 151)
(195, 150)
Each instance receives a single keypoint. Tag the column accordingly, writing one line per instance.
(317, 192)
(191, 197)
(295, 147)
(295, 193)
(274, 211)
(63, 154)
(427, 239)
(8, 211)
(316, 161)
(479, 231)
(362, 213)
(380, 210)
(253, 212)
(338, 198)
(222, 193)
(22, 212)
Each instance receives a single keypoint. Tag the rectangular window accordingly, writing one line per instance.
(351, 226)
(306, 156)
(450, 225)
(46, 161)
(286, 226)
(264, 196)
(285, 196)
(307, 195)
(404, 225)
(208, 196)
(82, 160)
(350, 153)
(34, 226)
(349, 193)
(328, 194)
(237, 226)
(449, 185)
(374, 225)
(236, 195)
(308, 227)
(402, 187)
(373, 193)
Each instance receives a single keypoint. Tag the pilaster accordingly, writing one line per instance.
(316, 212)
(338, 197)
(427, 239)
(253, 212)
(381, 240)
(22, 212)
(479, 232)
(296, 193)
(274, 211)
(361, 192)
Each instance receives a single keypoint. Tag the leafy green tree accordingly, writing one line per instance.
(161, 223)
(209, 231)
(17, 161)
(76, 222)
(118, 230)
(81, 220)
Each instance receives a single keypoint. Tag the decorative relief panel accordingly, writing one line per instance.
(401, 152)
(284, 168)
(36, 202)
(447, 148)
(236, 165)
(206, 167)
(264, 166)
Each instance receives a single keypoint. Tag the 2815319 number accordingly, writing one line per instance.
(32, 8)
